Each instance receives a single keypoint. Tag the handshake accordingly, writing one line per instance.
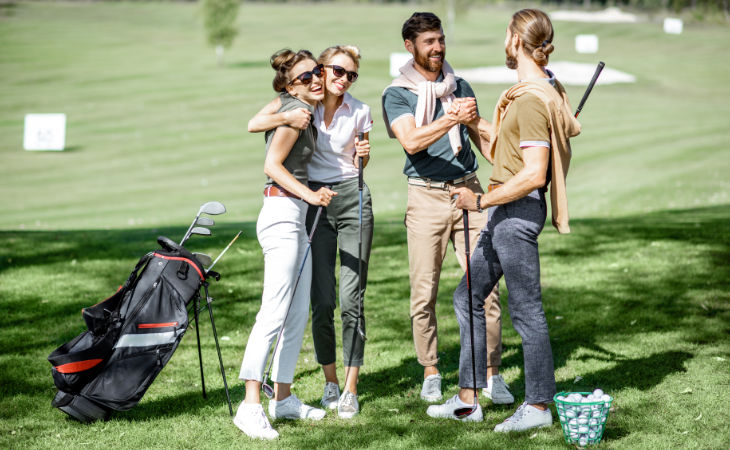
(463, 110)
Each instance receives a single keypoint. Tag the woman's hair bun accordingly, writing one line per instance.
(279, 59)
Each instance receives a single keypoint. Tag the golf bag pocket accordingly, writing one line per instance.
(79, 360)
(126, 379)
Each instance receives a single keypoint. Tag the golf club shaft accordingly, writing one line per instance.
(599, 68)
(190, 228)
(467, 251)
(225, 250)
(360, 184)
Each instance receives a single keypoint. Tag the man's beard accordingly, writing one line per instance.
(510, 60)
(423, 61)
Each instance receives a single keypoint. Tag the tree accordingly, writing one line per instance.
(220, 16)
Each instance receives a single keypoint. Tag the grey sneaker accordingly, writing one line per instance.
(446, 411)
(431, 390)
(293, 408)
(348, 406)
(330, 396)
(526, 417)
(498, 391)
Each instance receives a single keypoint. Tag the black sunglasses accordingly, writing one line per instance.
(341, 71)
(306, 77)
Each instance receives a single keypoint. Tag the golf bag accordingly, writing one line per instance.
(131, 336)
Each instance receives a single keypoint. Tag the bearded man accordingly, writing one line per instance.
(433, 114)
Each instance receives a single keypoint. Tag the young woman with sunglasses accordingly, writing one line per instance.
(281, 232)
(339, 118)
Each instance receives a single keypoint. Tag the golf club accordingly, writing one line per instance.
(201, 231)
(205, 222)
(599, 68)
(210, 208)
(360, 331)
(224, 250)
(203, 259)
(462, 413)
(268, 390)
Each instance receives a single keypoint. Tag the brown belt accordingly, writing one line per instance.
(494, 186)
(275, 191)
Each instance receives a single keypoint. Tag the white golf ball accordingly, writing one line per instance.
(561, 398)
(583, 442)
(582, 421)
(570, 413)
(606, 399)
(583, 429)
(592, 435)
(597, 414)
(593, 422)
(598, 393)
(574, 435)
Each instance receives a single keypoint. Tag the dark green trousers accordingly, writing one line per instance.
(338, 229)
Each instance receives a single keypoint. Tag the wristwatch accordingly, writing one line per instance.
(479, 203)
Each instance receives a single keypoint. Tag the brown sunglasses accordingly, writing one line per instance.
(341, 71)
(306, 77)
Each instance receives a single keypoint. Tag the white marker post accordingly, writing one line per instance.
(45, 132)
(586, 43)
(396, 62)
(673, 26)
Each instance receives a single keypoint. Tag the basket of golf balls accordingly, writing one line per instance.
(583, 415)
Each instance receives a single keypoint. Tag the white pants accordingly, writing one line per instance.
(282, 234)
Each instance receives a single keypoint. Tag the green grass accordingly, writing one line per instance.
(637, 297)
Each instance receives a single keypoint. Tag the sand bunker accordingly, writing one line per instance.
(608, 15)
(569, 73)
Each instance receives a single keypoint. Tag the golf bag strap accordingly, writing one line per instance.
(135, 272)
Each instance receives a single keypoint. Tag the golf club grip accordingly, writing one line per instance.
(360, 137)
(599, 68)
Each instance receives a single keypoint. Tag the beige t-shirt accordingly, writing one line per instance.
(526, 124)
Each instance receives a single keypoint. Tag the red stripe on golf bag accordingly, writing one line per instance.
(78, 366)
(177, 258)
(157, 325)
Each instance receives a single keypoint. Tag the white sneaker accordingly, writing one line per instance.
(250, 419)
(431, 390)
(292, 408)
(498, 391)
(330, 396)
(446, 411)
(348, 406)
(525, 418)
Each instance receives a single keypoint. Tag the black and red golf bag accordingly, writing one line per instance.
(131, 336)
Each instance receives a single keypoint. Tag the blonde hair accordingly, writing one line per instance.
(282, 62)
(350, 50)
(536, 32)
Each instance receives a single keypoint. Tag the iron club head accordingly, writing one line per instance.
(200, 231)
(212, 208)
(205, 221)
(268, 390)
(203, 259)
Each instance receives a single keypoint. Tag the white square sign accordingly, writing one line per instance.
(397, 60)
(44, 132)
(586, 43)
(673, 26)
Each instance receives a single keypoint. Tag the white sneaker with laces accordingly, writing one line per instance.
(330, 396)
(526, 417)
(250, 419)
(348, 406)
(292, 408)
(431, 390)
(446, 411)
(498, 391)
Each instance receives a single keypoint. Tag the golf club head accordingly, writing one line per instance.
(212, 208)
(463, 413)
(268, 390)
(361, 333)
(205, 221)
(200, 231)
(203, 258)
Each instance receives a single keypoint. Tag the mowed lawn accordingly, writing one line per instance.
(637, 297)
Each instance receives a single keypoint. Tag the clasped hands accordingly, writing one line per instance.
(463, 110)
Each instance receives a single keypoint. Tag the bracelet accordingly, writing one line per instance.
(479, 203)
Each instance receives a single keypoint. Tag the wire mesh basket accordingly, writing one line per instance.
(582, 419)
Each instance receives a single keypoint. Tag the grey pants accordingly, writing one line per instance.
(338, 228)
(508, 246)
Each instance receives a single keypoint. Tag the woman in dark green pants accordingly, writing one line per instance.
(338, 120)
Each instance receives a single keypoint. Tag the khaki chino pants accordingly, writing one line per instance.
(432, 220)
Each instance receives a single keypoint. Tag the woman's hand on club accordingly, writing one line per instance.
(362, 150)
(321, 197)
(465, 198)
(298, 118)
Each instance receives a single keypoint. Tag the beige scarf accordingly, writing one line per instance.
(428, 92)
(563, 126)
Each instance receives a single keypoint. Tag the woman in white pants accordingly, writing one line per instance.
(281, 232)
(339, 118)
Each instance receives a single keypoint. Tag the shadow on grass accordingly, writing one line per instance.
(664, 272)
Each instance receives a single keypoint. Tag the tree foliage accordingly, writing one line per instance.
(220, 17)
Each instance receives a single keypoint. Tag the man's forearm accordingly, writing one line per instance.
(517, 187)
(415, 139)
